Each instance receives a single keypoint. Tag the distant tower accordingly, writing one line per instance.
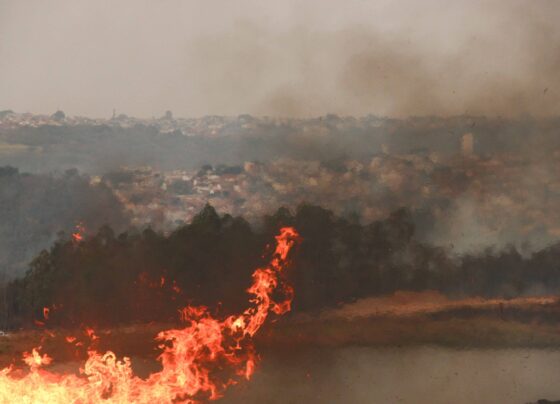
(114, 113)
(467, 144)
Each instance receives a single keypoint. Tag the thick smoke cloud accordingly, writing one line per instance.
(281, 58)
(35, 208)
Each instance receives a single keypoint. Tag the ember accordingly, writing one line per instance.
(78, 235)
(191, 357)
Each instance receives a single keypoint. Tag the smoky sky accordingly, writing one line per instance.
(280, 58)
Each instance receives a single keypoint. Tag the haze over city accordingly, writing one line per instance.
(280, 58)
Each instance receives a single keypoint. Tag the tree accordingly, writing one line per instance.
(59, 115)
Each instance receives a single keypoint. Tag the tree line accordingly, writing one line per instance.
(143, 276)
(34, 207)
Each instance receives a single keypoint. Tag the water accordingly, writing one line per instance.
(403, 375)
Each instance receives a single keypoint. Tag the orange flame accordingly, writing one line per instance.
(34, 359)
(193, 359)
(78, 235)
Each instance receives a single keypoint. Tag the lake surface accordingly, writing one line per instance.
(402, 375)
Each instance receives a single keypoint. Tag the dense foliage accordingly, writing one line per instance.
(147, 276)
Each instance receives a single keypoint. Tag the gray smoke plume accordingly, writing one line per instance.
(281, 58)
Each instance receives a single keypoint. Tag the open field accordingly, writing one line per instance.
(428, 318)
(407, 348)
(7, 148)
(401, 320)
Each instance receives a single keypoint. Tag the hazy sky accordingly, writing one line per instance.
(288, 57)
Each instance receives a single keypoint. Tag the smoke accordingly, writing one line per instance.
(283, 58)
(35, 208)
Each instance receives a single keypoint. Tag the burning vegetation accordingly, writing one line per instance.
(378, 159)
(197, 362)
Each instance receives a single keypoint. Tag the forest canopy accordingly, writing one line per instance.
(142, 276)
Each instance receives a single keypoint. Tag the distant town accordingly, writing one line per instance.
(458, 182)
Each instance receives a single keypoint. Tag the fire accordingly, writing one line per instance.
(198, 362)
(78, 235)
(34, 359)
